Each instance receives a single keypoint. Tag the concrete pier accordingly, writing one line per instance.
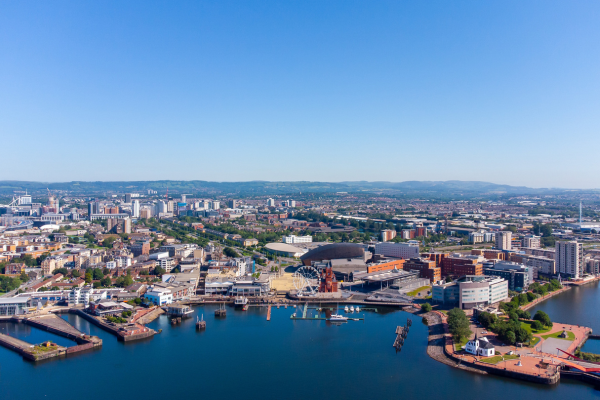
(123, 332)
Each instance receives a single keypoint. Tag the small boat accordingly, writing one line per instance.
(338, 318)
(351, 308)
(357, 309)
(346, 309)
(245, 308)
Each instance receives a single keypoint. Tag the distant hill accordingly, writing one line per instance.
(413, 188)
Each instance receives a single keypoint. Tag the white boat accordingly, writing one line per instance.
(346, 308)
(351, 308)
(357, 309)
(337, 317)
(240, 301)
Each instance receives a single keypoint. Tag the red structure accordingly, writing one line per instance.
(328, 282)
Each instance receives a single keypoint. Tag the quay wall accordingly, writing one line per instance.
(36, 323)
(542, 299)
(115, 331)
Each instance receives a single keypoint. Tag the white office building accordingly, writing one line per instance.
(79, 296)
(297, 239)
(397, 250)
(471, 291)
(270, 202)
(569, 258)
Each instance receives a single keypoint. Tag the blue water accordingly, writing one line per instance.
(245, 356)
(578, 306)
(32, 335)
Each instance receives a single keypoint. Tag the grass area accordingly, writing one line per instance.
(416, 291)
(458, 346)
(534, 341)
(570, 336)
(497, 359)
(528, 328)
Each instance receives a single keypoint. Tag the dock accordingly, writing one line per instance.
(269, 313)
(46, 350)
(124, 332)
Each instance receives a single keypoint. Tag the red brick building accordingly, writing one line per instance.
(426, 267)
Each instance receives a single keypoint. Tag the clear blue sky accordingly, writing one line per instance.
(500, 91)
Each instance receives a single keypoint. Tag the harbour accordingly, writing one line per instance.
(342, 352)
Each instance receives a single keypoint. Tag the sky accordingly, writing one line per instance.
(498, 91)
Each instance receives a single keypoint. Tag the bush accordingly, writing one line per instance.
(426, 307)
(537, 325)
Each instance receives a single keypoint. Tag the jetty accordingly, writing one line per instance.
(269, 313)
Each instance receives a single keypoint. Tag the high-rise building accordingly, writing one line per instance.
(388, 234)
(183, 198)
(270, 202)
(161, 207)
(170, 206)
(531, 241)
(127, 198)
(215, 205)
(291, 203)
(503, 240)
(232, 203)
(145, 213)
(135, 208)
(91, 210)
(569, 258)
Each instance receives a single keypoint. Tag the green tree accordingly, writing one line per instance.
(229, 252)
(458, 324)
(127, 280)
(88, 277)
(24, 277)
(97, 274)
(426, 307)
(106, 281)
(511, 338)
(159, 271)
(543, 318)
(75, 273)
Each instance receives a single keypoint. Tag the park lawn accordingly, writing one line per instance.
(570, 336)
(534, 341)
(414, 292)
(527, 326)
(497, 359)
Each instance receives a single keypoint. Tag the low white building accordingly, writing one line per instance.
(480, 347)
(159, 296)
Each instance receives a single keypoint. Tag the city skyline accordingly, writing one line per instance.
(495, 92)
